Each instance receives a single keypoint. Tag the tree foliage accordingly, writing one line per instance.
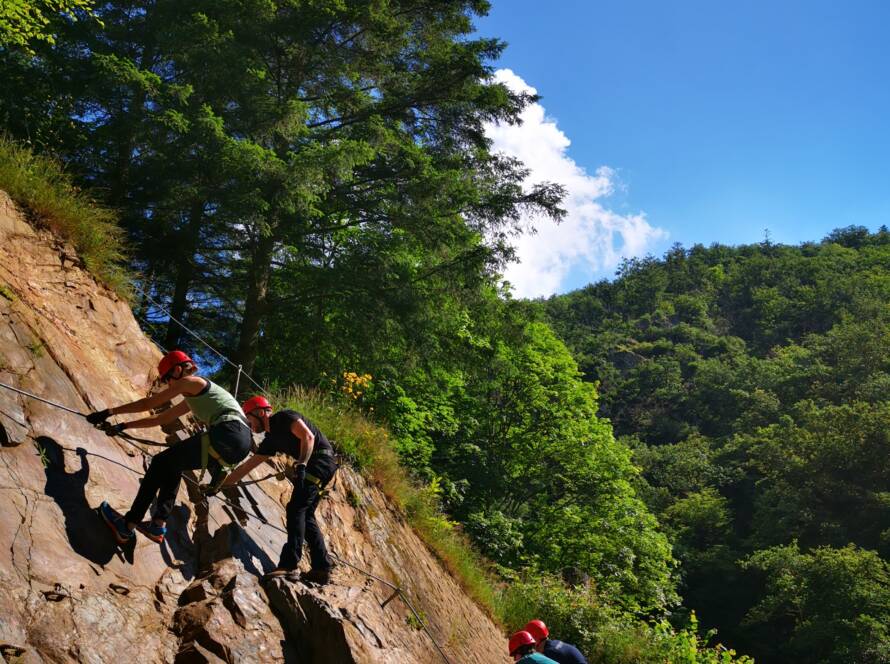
(832, 605)
(750, 382)
(268, 152)
(309, 186)
(23, 21)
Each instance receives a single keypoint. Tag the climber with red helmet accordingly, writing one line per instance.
(289, 432)
(562, 653)
(522, 649)
(225, 443)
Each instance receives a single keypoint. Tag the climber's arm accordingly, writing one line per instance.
(161, 418)
(188, 385)
(307, 441)
(242, 470)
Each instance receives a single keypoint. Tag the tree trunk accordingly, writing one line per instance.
(185, 273)
(255, 302)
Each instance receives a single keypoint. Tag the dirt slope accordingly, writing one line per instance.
(67, 594)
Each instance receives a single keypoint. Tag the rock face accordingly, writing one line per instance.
(69, 594)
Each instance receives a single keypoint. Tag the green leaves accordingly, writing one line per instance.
(25, 21)
(547, 483)
(820, 475)
(833, 604)
(752, 382)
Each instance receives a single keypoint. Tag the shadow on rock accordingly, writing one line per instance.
(245, 549)
(230, 540)
(233, 495)
(179, 550)
(67, 489)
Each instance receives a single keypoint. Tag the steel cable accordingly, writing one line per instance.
(135, 442)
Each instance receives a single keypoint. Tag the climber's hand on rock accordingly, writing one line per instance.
(98, 416)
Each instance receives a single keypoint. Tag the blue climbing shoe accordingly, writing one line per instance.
(153, 531)
(116, 523)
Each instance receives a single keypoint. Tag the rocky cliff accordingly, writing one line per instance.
(69, 594)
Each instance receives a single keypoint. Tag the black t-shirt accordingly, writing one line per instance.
(563, 653)
(280, 438)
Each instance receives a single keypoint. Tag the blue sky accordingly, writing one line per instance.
(717, 119)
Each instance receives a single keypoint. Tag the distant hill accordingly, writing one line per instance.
(752, 383)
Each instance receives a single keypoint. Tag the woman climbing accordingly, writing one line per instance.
(225, 443)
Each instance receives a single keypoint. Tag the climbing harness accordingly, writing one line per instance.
(207, 452)
(132, 440)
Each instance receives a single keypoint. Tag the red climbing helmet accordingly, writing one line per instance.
(520, 639)
(254, 403)
(537, 629)
(170, 361)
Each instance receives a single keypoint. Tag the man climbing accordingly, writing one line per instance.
(225, 443)
(522, 649)
(562, 653)
(289, 432)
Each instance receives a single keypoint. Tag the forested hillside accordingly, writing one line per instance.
(752, 385)
(308, 187)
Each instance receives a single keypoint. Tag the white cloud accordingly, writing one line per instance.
(592, 238)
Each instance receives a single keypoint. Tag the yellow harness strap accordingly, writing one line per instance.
(322, 489)
(207, 451)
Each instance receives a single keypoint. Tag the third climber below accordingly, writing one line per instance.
(558, 651)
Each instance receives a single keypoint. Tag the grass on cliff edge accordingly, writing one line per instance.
(368, 447)
(40, 186)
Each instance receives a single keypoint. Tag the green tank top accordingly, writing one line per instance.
(214, 405)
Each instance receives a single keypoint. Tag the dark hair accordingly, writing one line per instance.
(526, 649)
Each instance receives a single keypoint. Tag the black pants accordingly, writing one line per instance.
(230, 439)
(301, 523)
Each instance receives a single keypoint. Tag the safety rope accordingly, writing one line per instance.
(151, 332)
(183, 326)
(198, 337)
(135, 442)
(46, 401)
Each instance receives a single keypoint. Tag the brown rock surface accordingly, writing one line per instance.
(68, 594)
